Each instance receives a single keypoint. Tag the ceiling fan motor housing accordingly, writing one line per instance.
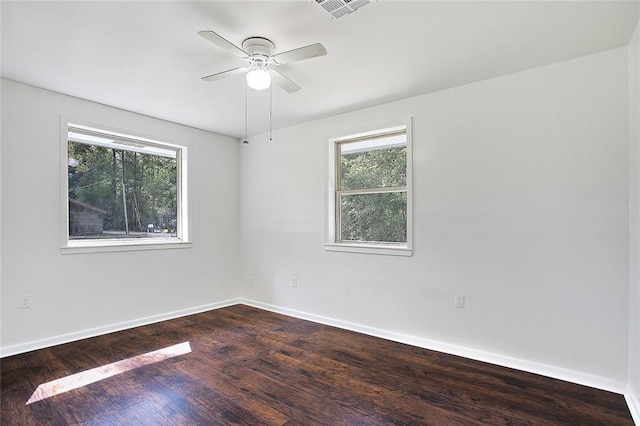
(260, 49)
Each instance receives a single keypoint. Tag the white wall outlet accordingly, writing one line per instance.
(294, 282)
(23, 301)
(459, 300)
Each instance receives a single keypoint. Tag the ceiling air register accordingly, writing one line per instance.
(339, 8)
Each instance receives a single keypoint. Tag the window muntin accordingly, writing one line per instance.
(371, 189)
(122, 189)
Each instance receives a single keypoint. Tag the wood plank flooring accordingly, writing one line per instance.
(249, 366)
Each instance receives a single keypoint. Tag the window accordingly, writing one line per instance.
(122, 190)
(370, 192)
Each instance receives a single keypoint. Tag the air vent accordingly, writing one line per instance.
(339, 8)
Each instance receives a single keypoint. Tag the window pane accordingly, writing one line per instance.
(378, 168)
(116, 193)
(378, 217)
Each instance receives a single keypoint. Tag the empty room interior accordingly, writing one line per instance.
(320, 212)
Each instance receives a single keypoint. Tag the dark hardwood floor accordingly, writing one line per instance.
(248, 366)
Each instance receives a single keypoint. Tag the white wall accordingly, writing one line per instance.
(521, 202)
(77, 294)
(633, 389)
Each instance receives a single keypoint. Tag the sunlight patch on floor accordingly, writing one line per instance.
(83, 378)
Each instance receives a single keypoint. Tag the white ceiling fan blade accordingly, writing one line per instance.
(301, 53)
(223, 43)
(225, 74)
(284, 82)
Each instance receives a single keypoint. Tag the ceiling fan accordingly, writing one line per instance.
(259, 53)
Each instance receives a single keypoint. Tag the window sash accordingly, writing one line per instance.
(339, 152)
(338, 211)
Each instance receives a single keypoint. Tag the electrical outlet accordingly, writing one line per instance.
(459, 300)
(23, 301)
(294, 282)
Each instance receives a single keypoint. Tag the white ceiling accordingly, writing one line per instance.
(147, 57)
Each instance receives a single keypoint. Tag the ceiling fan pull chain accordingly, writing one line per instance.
(246, 116)
(270, 113)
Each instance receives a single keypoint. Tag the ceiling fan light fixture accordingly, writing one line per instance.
(259, 53)
(258, 78)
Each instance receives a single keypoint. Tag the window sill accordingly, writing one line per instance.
(105, 246)
(382, 249)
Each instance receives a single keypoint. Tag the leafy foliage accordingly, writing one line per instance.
(378, 168)
(99, 176)
(380, 217)
(374, 216)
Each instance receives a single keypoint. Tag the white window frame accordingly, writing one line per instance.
(332, 214)
(132, 142)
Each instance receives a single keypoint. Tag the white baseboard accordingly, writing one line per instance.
(633, 402)
(572, 376)
(97, 331)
